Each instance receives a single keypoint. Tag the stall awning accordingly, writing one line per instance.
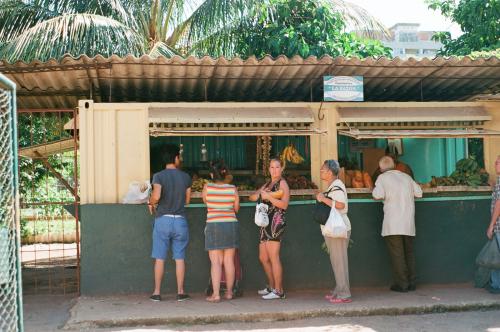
(231, 121)
(418, 133)
(408, 117)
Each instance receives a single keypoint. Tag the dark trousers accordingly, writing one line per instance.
(402, 258)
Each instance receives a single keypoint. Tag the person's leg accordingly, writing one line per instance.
(340, 266)
(266, 263)
(410, 261)
(159, 252)
(180, 272)
(399, 269)
(229, 270)
(159, 270)
(216, 258)
(273, 251)
(180, 241)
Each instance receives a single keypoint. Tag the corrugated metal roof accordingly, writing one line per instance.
(59, 84)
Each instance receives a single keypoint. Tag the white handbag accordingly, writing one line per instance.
(335, 226)
(261, 217)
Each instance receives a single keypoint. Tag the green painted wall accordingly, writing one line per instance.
(116, 247)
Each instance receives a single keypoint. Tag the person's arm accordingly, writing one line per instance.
(417, 190)
(204, 194)
(378, 192)
(188, 196)
(281, 203)
(154, 198)
(328, 201)
(494, 218)
(236, 200)
(255, 196)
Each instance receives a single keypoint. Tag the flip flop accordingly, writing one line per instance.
(339, 300)
(329, 297)
(213, 299)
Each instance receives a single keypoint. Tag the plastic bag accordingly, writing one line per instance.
(489, 256)
(138, 193)
(261, 217)
(335, 226)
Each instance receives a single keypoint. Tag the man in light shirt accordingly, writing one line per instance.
(398, 191)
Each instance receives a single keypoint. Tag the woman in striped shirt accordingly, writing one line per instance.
(222, 229)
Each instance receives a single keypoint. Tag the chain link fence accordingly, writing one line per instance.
(10, 289)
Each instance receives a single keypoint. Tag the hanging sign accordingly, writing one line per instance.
(343, 88)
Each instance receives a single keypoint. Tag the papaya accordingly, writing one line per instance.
(358, 176)
(357, 184)
(367, 180)
(402, 167)
(348, 181)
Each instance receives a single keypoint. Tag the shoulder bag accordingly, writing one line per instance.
(321, 211)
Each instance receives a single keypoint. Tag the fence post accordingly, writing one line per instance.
(11, 307)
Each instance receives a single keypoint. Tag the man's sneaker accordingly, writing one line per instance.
(156, 298)
(264, 291)
(182, 297)
(274, 295)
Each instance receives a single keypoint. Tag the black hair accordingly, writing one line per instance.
(218, 170)
(169, 152)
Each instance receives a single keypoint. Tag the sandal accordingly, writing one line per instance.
(213, 299)
(338, 300)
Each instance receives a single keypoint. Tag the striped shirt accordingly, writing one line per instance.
(220, 203)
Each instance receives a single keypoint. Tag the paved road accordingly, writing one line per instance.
(488, 321)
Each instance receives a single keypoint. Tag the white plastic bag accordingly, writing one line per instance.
(138, 192)
(335, 226)
(261, 217)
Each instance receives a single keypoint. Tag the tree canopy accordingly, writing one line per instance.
(44, 29)
(480, 24)
(291, 27)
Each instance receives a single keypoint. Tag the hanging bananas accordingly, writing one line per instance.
(290, 154)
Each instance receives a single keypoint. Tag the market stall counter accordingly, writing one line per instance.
(116, 246)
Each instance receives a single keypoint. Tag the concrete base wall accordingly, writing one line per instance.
(116, 247)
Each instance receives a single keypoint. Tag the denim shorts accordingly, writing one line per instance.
(222, 235)
(170, 231)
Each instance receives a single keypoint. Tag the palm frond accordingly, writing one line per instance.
(162, 49)
(74, 34)
(358, 19)
(17, 16)
(212, 15)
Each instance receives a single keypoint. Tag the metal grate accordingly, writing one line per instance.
(10, 290)
(48, 189)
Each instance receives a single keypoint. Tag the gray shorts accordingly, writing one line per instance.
(222, 235)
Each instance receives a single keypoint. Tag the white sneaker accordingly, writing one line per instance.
(264, 291)
(274, 295)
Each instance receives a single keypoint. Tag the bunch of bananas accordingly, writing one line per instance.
(290, 154)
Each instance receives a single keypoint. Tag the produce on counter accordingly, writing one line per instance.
(198, 183)
(299, 182)
(367, 180)
(467, 173)
(358, 179)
